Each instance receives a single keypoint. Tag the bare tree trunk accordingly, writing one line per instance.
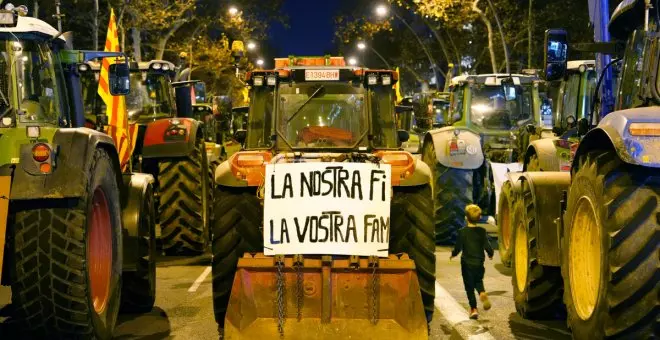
(95, 36)
(35, 8)
(162, 42)
(499, 26)
(530, 28)
(489, 28)
(415, 74)
(137, 42)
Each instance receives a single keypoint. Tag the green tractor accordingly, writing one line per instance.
(77, 236)
(169, 143)
(419, 114)
(490, 118)
(572, 96)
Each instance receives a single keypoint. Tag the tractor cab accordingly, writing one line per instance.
(303, 105)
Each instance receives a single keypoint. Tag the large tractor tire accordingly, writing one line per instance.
(67, 261)
(185, 198)
(537, 289)
(452, 192)
(610, 249)
(412, 233)
(139, 287)
(485, 189)
(236, 230)
(505, 229)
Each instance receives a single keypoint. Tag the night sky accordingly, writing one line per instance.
(311, 28)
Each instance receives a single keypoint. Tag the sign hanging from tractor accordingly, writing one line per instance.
(327, 208)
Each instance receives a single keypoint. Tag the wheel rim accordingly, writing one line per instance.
(584, 260)
(506, 222)
(99, 251)
(521, 256)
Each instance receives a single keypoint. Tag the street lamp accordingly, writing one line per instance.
(251, 45)
(352, 61)
(381, 10)
(361, 45)
(260, 62)
(233, 10)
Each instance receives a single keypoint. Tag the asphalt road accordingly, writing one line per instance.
(184, 307)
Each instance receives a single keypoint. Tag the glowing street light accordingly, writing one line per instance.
(260, 62)
(233, 10)
(352, 61)
(361, 45)
(381, 10)
(251, 45)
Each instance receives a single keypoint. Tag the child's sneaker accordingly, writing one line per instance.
(474, 313)
(484, 299)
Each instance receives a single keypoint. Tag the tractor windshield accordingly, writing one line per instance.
(30, 61)
(491, 110)
(150, 99)
(322, 115)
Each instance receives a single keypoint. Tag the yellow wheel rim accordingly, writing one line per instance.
(506, 221)
(521, 256)
(584, 259)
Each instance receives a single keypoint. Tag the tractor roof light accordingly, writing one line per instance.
(7, 18)
(372, 79)
(258, 80)
(6, 121)
(165, 67)
(83, 67)
(387, 79)
(271, 80)
(156, 66)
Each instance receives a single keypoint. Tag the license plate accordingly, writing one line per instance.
(327, 209)
(321, 75)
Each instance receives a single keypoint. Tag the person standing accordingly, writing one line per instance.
(472, 241)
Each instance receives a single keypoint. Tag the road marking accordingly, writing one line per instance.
(455, 314)
(199, 280)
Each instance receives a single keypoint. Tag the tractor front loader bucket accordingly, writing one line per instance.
(5, 188)
(324, 298)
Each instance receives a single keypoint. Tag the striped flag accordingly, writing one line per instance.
(115, 105)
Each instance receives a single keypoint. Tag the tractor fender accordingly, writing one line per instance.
(137, 186)
(614, 132)
(547, 191)
(420, 176)
(224, 176)
(157, 145)
(75, 149)
(546, 151)
(468, 154)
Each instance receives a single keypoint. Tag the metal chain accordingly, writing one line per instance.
(299, 286)
(279, 262)
(374, 296)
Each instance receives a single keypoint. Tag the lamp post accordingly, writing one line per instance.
(382, 11)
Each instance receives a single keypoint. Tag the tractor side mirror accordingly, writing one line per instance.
(120, 83)
(403, 136)
(240, 136)
(555, 55)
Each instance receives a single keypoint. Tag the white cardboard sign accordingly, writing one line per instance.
(327, 209)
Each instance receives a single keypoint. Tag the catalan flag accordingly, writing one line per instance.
(116, 111)
(397, 87)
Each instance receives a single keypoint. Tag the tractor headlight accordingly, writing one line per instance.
(387, 80)
(83, 68)
(165, 67)
(271, 81)
(258, 81)
(372, 79)
(33, 132)
(156, 66)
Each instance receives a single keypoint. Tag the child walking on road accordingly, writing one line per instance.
(472, 241)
